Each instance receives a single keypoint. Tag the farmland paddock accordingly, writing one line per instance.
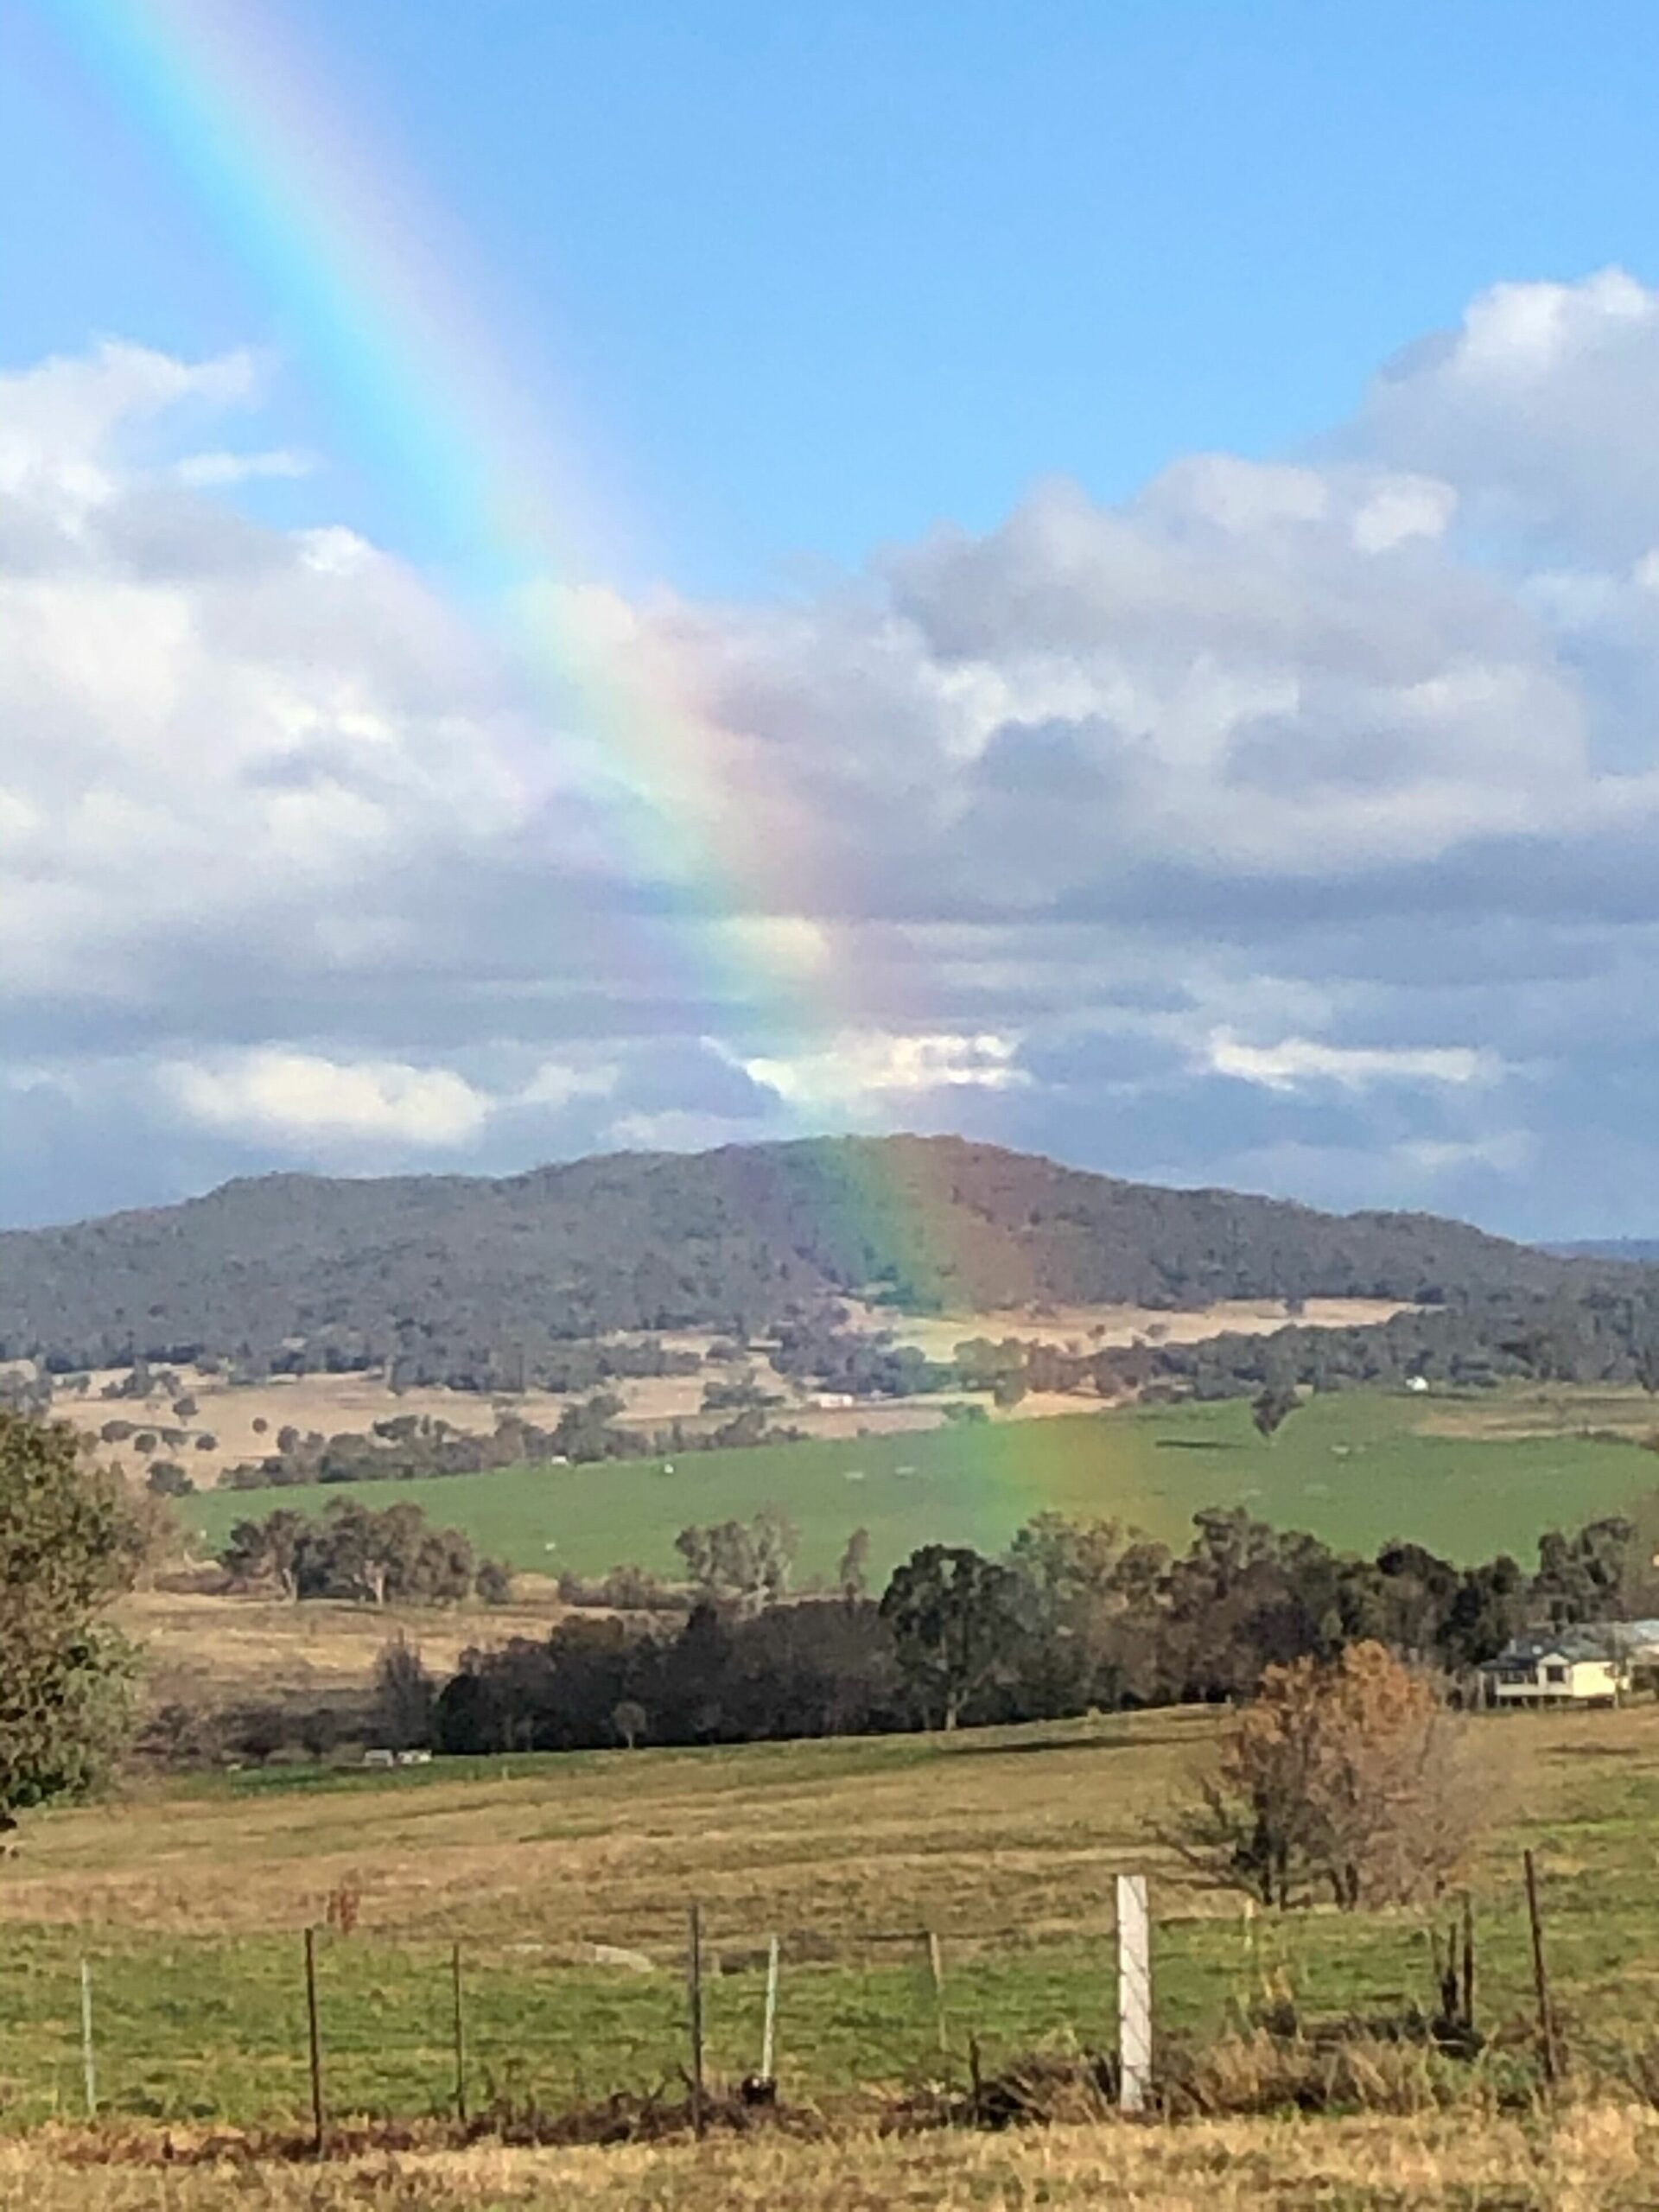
(928, 1895)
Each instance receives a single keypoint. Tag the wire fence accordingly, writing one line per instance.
(203, 2029)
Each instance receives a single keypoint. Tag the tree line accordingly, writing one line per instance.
(1075, 1617)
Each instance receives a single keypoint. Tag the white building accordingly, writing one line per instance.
(1589, 1665)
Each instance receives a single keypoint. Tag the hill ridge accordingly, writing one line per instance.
(733, 1237)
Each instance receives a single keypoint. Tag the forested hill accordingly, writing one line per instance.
(662, 1240)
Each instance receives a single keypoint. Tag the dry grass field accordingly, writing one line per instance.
(1592, 2158)
(995, 1830)
(215, 1651)
(1092, 1328)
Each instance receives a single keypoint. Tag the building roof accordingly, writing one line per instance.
(1590, 1641)
(1585, 1640)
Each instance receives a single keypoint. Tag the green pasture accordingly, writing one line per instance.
(1355, 1467)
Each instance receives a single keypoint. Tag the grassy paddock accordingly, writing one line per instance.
(1593, 2158)
(1468, 1475)
(188, 1903)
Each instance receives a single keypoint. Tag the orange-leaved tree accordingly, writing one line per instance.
(1346, 1777)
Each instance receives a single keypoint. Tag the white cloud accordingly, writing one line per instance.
(290, 1098)
(1401, 508)
(856, 1067)
(556, 1083)
(1295, 1062)
(213, 471)
(677, 1128)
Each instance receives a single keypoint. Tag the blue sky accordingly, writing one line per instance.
(1159, 499)
(819, 276)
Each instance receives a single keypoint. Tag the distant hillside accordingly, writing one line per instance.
(1637, 1251)
(461, 1270)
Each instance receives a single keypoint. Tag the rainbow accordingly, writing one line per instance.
(354, 265)
(356, 269)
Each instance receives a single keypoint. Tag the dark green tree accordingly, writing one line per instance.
(1272, 1408)
(405, 1698)
(267, 1550)
(68, 1546)
(853, 1574)
(955, 1620)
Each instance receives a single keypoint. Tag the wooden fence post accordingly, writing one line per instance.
(1541, 1977)
(88, 2063)
(1134, 1994)
(319, 2119)
(461, 2034)
(694, 1994)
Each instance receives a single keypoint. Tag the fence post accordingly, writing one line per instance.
(768, 2039)
(1469, 1961)
(936, 1968)
(88, 2063)
(319, 2119)
(694, 1993)
(461, 2034)
(1540, 1976)
(1133, 1993)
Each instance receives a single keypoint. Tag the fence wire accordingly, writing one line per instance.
(214, 2028)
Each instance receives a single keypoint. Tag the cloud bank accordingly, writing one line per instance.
(1293, 825)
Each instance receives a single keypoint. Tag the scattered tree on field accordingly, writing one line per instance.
(853, 1574)
(266, 1551)
(1272, 1408)
(746, 1565)
(493, 1582)
(630, 1720)
(353, 1552)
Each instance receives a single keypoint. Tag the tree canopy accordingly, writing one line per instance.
(68, 1547)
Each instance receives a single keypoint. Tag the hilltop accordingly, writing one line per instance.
(359, 1268)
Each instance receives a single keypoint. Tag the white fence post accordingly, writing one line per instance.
(768, 2040)
(1133, 1993)
(88, 2063)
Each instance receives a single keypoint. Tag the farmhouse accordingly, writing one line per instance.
(1594, 1664)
